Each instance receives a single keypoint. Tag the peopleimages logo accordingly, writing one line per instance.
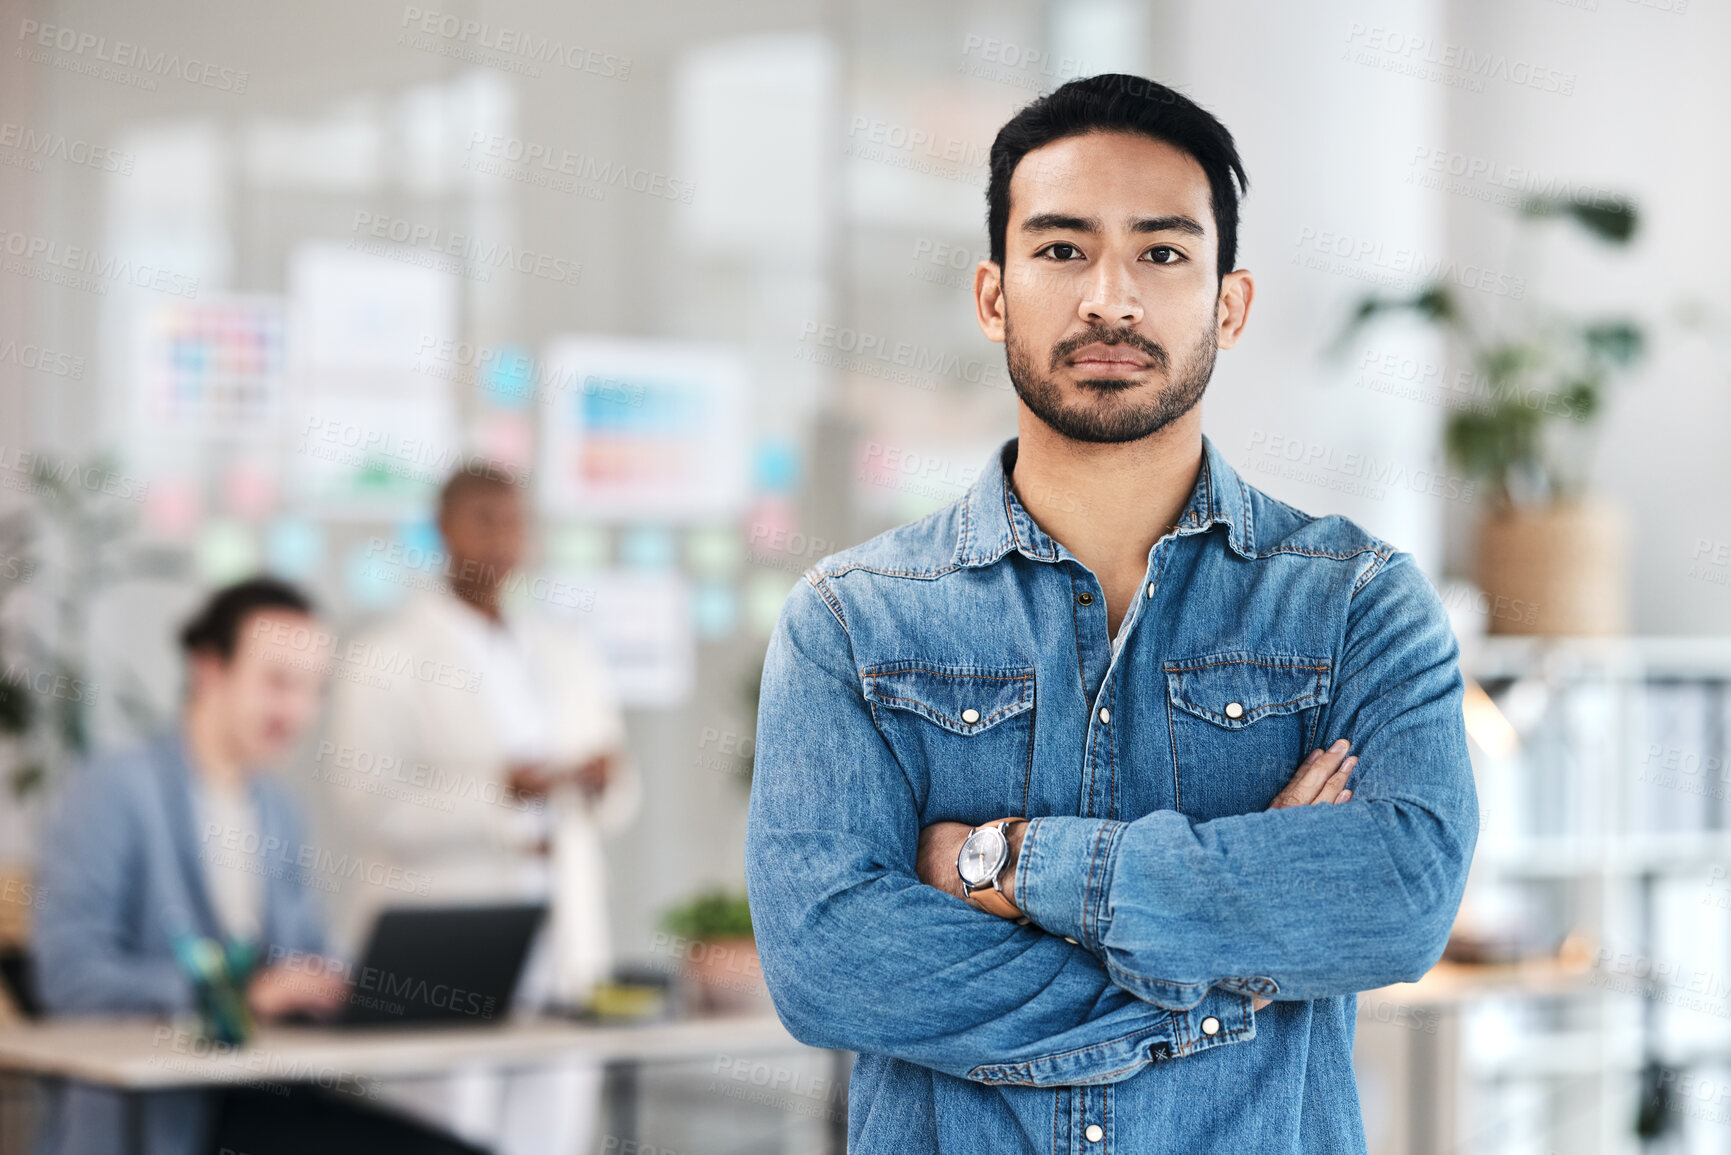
(533, 163)
(268, 1070)
(476, 254)
(876, 355)
(420, 782)
(347, 443)
(42, 360)
(1520, 180)
(47, 683)
(989, 58)
(1456, 65)
(1367, 259)
(85, 269)
(1361, 474)
(439, 567)
(405, 988)
(43, 471)
(477, 39)
(38, 146)
(233, 848)
(86, 46)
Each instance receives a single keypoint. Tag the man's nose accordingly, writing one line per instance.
(1111, 299)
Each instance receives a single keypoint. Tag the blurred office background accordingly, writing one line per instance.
(703, 272)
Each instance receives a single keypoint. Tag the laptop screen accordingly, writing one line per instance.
(442, 964)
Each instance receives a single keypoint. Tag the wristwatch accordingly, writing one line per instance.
(981, 865)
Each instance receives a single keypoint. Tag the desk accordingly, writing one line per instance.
(140, 1055)
(1429, 1009)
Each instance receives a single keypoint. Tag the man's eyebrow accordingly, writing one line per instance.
(1063, 222)
(1177, 223)
(1050, 222)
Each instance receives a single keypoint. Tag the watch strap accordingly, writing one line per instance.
(991, 900)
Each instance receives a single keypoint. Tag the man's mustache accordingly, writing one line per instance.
(1106, 335)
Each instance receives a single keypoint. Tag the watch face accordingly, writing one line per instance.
(982, 855)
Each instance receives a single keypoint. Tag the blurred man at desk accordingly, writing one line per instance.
(186, 836)
(491, 767)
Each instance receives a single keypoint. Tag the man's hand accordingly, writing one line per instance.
(537, 779)
(592, 777)
(278, 991)
(530, 779)
(1321, 779)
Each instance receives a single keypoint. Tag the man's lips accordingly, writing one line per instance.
(1108, 358)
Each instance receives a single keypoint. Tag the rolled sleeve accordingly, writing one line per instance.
(1061, 875)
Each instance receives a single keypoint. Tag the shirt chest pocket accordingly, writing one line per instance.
(1241, 723)
(963, 733)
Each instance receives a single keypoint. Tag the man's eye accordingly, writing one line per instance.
(1165, 255)
(1062, 251)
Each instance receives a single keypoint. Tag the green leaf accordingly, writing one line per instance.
(714, 914)
(1433, 303)
(1610, 219)
(1619, 342)
(1581, 399)
(1487, 444)
(16, 708)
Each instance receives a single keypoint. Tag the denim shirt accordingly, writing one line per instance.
(958, 668)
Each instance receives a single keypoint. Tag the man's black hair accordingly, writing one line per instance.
(1116, 102)
(215, 629)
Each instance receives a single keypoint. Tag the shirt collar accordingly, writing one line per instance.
(994, 520)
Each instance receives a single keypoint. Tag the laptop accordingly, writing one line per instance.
(447, 965)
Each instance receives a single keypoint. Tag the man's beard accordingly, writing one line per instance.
(1043, 394)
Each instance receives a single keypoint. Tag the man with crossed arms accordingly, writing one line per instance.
(1025, 828)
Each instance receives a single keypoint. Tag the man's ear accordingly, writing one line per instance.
(1233, 310)
(204, 670)
(989, 299)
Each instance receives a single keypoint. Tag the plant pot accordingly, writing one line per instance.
(724, 976)
(1556, 571)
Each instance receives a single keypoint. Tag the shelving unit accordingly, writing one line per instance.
(1605, 794)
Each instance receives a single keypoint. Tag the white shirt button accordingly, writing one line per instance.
(1095, 1132)
(1211, 1025)
(1105, 715)
(971, 715)
(1150, 589)
(1234, 710)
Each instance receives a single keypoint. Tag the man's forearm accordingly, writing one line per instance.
(1323, 901)
(877, 961)
(1320, 780)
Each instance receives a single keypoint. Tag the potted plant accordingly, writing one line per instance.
(1526, 427)
(712, 937)
(59, 550)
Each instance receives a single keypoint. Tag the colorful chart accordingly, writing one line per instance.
(644, 429)
(213, 366)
